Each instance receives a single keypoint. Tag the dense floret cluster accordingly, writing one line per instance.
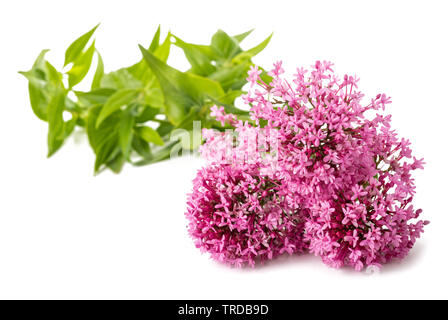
(314, 170)
(237, 216)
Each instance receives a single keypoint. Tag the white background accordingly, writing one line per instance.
(67, 234)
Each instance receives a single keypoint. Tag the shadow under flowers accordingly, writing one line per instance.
(307, 260)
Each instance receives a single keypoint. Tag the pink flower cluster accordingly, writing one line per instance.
(336, 180)
(219, 114)
(239, 217)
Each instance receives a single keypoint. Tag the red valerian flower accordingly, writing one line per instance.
(335, 181)
(237, 216)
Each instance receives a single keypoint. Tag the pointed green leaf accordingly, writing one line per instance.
(115, 102)
(55, 122)
(137, 71)
(104, 140)
(163, 51)
(38, 100)
(233, 77)
(107, 129)
(99, 73)
(54, 77)
(141, 147)
(155, 40)
(81, 66)
(257, 49)
(125, 134)
(97, 96)
(106, 153)
(242, 36)
(181, 90)
(116, 163)
(143, 73)
(43, 80)
(39, 63)
(149, 135)
(224, 45)
(75, 49)
(252, 52)
(200, 62)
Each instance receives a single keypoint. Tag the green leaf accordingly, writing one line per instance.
(106, 153)
(49, 101)
(115, 102)
(38, 100)
(107, 129)
(125, 133)
(257, 49)
(233, 77)
(230, 96)
(163, 153)
(154, 98)
(155, 40)
(43, 81)
(187, 122)
(149, 135)
(120, 79)
(97, 96)
(147, 114)
(55, 122)
(54, 77)
(163, 51)
(116, 164)
(81, 67)
(227, 101)
(143, 73)
(200, 62)
(160, 154)
(99, 73)
(252, 52)
(75, 49)
(104, 140)
(70, 125)
(180, 90)
(165, 128)
(119, 103)
(141, 147)
(224, 45)
(40, 60)
(242, 36)
(206, 50)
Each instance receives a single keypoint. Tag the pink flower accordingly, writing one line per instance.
(334, 181)
(253, 75)
(220, 115)
(231, 216)
(358, 192)
(277, 70)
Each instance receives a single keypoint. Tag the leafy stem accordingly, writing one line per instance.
(130, 114)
